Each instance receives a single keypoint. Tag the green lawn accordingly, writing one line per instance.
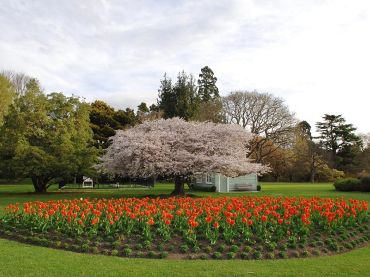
(18, 259)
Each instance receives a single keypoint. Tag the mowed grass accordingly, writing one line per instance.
(18, 259)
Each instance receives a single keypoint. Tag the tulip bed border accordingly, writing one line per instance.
(193, 228)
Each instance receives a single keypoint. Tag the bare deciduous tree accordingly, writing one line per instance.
(178, 149)
(19, 80)
(264, 115)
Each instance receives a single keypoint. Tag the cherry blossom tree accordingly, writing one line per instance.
(178, 149)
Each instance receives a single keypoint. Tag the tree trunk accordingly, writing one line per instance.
(312, 169)
(179, 186)
(312, 175)
(39, 184)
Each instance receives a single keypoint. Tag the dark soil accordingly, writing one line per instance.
(316, 244)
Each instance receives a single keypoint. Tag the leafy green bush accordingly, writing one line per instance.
(116, 244)
(217, 255)
(283, 255)
(139, 246)
(184, 248)
(244, 255)
(230, 255)
(365, 183)
(305, 253)
(234, 248)
(147, 244)
(85, 247)
(201, 188)
(283, 247)
(248, 249)
(258, 187)
(127, 252)
(257, 255)
(348, 184)
(222, 247)
(163, 254)
(195, 249)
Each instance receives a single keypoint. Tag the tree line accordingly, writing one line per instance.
(51, 137)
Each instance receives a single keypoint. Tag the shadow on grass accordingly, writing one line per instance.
(96, 194)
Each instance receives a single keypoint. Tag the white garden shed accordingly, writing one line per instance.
(222, 183)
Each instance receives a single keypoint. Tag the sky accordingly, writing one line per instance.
(315, 54)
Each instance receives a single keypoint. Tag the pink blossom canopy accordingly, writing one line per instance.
(174, 147)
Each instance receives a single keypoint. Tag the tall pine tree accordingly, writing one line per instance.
(207, 88)
(336, 136)
(166, 98)
(180, 99)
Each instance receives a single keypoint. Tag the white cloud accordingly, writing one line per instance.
(312, 53)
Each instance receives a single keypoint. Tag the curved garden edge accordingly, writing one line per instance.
(318, 248)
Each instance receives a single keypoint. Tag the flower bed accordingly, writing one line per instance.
(225, 227)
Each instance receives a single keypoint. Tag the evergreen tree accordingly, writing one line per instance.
(180, 99)
(207, 88)
(126, 118)
(167, 98)
(102, 123)
(336, 136)
(185, 91)
(143, 108)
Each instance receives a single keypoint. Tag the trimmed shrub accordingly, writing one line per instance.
(348, 184)
(365, 183)
(201, 188)
(258, 187)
